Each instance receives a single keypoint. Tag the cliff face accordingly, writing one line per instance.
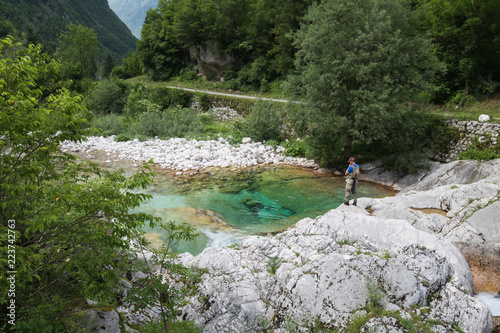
(48, 18)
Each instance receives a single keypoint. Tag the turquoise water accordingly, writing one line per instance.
(227, 206)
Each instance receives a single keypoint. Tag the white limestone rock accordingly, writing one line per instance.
(484, 118)
(320, 268)
(181, 154)
(101, 321)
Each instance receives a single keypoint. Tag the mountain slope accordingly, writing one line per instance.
(132, 12)
(47, 18)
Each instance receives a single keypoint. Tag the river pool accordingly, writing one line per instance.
(225, 206)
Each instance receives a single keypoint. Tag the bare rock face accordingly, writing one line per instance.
(209, 59)
(467, 193)
(334, 267)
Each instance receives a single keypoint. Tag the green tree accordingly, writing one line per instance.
(264, 122)
(159, 49)
(359, 64)
(166, 281)
(466, 37)
(68, 222)
(79, 45)
(6, 28)
(108, 66)
(108, 96)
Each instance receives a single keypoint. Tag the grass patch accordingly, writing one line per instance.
(471, 110)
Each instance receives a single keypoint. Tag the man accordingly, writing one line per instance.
(351, 182)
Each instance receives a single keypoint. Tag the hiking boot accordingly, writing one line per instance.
(346, 203)
(355, 203)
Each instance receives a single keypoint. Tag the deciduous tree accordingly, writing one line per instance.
(72, 221)
(79, 45)
(359, 64)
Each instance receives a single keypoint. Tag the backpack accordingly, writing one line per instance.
(355, 172)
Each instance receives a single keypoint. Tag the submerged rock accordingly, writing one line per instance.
(325, 270)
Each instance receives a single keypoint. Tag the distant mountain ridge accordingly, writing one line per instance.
(48, 18)
(132, 12)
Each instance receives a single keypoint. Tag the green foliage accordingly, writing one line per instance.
(481, 150)
(465, 36)
(130, 67)
(168, 97)
(45, 23)
(6, 28)
(264, 122)
(110, 124)
(73, 221)
(158, 49)
(273, 265)
(376, 296)
(167, 283)
(137, 103)
(409, 163)
(254, 33)
(79, 45)
(171, 123)
(108, 66)
(353, 73)
(108, 96)
(357, 322)
(123, 137)
(295, 148)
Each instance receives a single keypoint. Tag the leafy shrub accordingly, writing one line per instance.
(264, 122)
(175, 122)
(111, 124)
(170, 97)
(150, 124)
(460, 99)
(136, 106)
(108, 97)
(123, 137)
(481, 150)
(273, 265)
(410, 162)
(295, 148)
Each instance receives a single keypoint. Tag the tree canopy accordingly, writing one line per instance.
(78, 45)
(254, 33)
(359, 64)
(71, 220)
(466, 37)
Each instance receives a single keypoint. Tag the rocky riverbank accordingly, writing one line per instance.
(412, 245)
(419, 255)
(189, 155)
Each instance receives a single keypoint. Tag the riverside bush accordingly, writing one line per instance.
(264, 122)
(174, 122)
(110, 124)
(169, 97)
(108, 96)
(481, 150)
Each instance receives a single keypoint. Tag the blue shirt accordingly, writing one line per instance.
(350, 170)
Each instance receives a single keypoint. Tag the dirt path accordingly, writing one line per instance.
(232, 95)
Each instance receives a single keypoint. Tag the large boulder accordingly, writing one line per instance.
(210, 60)
(327, 270)
(460, 202)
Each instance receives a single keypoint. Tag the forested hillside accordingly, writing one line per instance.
(132, 12)
(257, 37)
(44, 20)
